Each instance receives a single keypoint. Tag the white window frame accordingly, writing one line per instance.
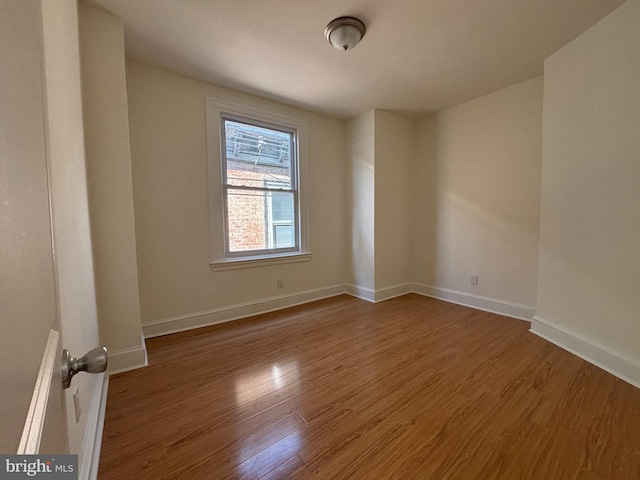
(221, 258)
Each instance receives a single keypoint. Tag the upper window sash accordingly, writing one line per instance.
(251, 141)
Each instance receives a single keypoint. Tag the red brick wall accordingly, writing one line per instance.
(247, 211)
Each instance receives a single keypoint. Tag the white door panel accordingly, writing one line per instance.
(27, 286)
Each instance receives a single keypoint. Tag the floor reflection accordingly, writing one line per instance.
(269, 437)
(272, 456)
(258, 384)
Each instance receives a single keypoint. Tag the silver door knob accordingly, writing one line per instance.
(94, 361)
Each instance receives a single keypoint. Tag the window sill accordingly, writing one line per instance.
(251, 262)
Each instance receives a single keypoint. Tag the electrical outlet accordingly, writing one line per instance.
(76, 404)
(473, 280)
(280, 283)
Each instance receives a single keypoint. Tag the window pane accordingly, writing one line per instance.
(282, 207)
(281, 219)
(257, 155)
(283, 236)
(260, 220)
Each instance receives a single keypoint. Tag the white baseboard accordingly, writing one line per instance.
(363, 293)
(234, 312)
(393, 291)
(127, 359)
(379, 295)
(206, 318)
(600, 356)
(487, 304)
(501, 307)
(90, 458)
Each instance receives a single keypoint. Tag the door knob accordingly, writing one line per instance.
(94, 361)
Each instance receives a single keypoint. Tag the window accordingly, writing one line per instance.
(256, 196)
(260, 187)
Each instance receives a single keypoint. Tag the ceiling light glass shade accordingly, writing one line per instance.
(344, 33)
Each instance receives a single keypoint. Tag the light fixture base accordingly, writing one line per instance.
(344, 33)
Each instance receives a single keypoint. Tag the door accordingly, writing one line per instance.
(28, 300)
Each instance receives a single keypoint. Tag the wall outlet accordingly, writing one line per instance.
(473, 280)
(280, 283)
(76, 404)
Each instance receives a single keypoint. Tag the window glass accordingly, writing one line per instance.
(255, 154)
(259, 179)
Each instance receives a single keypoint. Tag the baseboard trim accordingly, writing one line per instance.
(127, 359)
(206, 318)
(487, 304)
(380, 295)
(235, 312)
(363, 293)
(615, 364)
(93, 435)
(393, 291)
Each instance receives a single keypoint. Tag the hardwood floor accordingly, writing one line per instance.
(340, 388)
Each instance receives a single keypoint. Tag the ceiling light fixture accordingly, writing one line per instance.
(344, 33)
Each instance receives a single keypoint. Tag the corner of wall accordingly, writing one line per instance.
(109, 178)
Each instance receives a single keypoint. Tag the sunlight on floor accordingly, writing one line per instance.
(264, 382)
(272, 456)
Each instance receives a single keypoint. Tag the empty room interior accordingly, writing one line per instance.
(357, 239)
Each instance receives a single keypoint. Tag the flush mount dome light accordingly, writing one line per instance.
(344, 33)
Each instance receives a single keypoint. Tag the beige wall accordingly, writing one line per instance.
(380, 152)
(590, 222)
(169, 152)
(394, 152)
(68, 184)
(402, 180)
(476, 195)
(110, 186)
(361, 194)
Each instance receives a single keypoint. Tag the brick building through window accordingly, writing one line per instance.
(261, 187)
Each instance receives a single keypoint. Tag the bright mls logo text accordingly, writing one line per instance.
(40, 466)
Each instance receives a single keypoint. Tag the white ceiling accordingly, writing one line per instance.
(417, 55)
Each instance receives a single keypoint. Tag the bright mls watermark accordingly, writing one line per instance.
(52, 467)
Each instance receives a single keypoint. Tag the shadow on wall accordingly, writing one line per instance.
(425, 201)
(477, 195)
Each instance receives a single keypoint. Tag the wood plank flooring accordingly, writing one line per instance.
(340, 388)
